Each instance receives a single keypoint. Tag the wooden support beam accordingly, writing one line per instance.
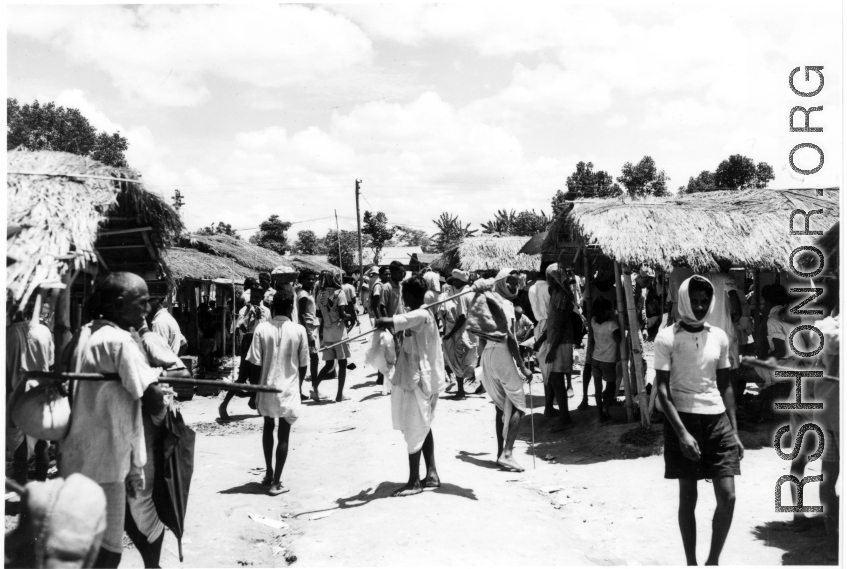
(635, 340)
(117, 247)
(124, 231)
(623, 346)
(150, 249)
(100, 260)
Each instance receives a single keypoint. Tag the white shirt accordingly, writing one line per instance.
(29, 347)
(106, 434)
(420, 363)
(539, 299)
(605, 347)
(693, 360)
(166, 326)
(281, 347)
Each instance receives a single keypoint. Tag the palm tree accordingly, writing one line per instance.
(451, 231)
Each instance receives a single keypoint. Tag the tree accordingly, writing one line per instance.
(528, 223)
(408, 237)
(503, 222)
(349, 248)
(220, 229)
(585, 183)
(48, 127)
(644, 179)
(308, 244)
(740, 173)
(272, 235)
(376, 227)
(451, 232)
(735, 173)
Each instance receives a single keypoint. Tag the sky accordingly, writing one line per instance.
(254, 110)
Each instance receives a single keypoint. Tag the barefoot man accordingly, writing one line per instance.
(281, 348)
(417, 381)
(503, 370)
(701, 435)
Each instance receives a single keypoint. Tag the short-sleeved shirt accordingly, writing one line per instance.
(605, 347)
(29, 347)
(166, 326)
(251, 320)
(106, 435)
(391, 299)
(350, 291)
(330, 303)
(420, 363)
(693, 358)
(281, 348)
(268, 297)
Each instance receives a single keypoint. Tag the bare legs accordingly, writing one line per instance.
(504, 456)
(721, 522)
(558, 381)
(586, 379)
(275, 474)
(342, 375)
(431, 480)
(313, 369)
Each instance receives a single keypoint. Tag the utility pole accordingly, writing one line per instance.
(338, 234)
(177, 200)
(359, 228)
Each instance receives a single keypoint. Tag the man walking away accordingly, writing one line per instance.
(701, 435)
(338, 318)
(281, 348)
(165, 325)
(460, 346)
(307, 313)
(384, 275)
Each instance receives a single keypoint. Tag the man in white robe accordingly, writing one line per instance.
(418, 379)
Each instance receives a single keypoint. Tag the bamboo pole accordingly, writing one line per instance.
(225, 385)
(589, 345)
(756, 307)
(635, 340)
(623, 348)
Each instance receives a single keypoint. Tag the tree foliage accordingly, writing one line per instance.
(644, 179)
(525, 223)
(408, 237)
(377, 228)
(735, 173)
(451, 232)
(48, 127)
(307, 243)
(220, 229)
(349, 248)
(272, 235)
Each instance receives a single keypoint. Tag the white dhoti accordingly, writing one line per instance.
(542, 351)
(412, 413)
(503, 381)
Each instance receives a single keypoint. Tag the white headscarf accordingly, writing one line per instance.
(685, 312)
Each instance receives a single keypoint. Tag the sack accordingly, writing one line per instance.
(486, 318)
(61, 524)
(381, 354)
(43, 412)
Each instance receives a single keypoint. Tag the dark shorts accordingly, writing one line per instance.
(719, 455)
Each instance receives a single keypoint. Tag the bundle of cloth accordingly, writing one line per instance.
(382, 353)
(486, 318)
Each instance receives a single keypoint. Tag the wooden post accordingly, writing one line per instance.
(359, 230)
(635, 339)
(222, 304)
(589, 345)
(623, 348)
(62, 318)
(756, 305)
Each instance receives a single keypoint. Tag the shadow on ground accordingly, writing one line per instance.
(470, 458)
(805, 547)
(249, 488)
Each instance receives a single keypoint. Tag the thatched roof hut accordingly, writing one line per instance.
(487, 253)
(76, 213)
(185, 263)
(708, 231)
(242, 252)
(315, 263)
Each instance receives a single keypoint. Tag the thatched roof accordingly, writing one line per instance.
(315, 263)
(243, 252)
(193, 264)
(487, 254)
(61, 202)
(708, 231)
(389, 254)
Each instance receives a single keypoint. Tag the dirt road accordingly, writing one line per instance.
(597, 502)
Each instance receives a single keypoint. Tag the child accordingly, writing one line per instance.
(607, 339)
(417, 381)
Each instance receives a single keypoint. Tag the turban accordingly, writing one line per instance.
(461, 275)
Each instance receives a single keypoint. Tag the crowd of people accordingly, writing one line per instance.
(446, 332)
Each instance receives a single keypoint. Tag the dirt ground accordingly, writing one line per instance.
(586, 499)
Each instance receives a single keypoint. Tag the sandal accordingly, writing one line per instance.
(277, 489)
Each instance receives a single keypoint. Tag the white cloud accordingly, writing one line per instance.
(166, 54)
(616, 121)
